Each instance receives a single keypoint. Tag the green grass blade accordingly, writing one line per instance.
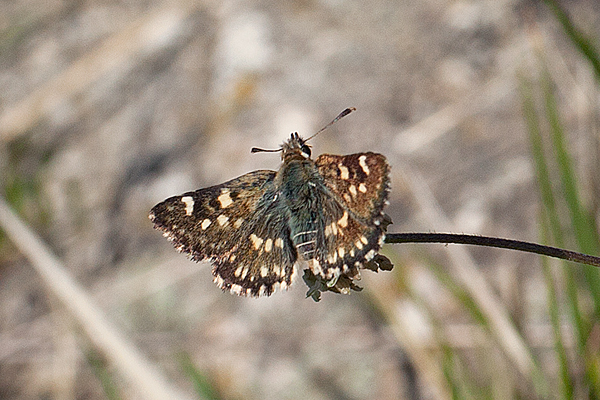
(581, 222)
(460, 381)
(202, 384)
(463, 296)
(567, 385)
(583, 44)
(454, 368)
(549, 202)
(99, 367)
(584, 230)
(551, 215)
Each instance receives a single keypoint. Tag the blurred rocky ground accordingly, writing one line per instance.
(107, 108)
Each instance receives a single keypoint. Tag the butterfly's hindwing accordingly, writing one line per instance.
(357, 186)
(347, 245)
(360, 181)
(263, 259)
(335, 208)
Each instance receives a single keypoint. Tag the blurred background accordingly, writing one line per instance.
(108, 107)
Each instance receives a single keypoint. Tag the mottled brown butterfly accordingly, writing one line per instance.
(256, 229)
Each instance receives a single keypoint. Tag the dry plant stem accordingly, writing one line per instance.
(487, 241)
(138, 371)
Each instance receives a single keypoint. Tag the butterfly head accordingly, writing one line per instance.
(295, 147)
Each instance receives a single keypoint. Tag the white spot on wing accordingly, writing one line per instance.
(316, 267)
(238, 271)
(344, 173)
(334, 229)
(362, 160)
(189, 204)
(237, 289)
(352, 189)
(268, 245)
(205, 224)
(225, 199)
(222, 219)
(262, 290)
(276, 287)
(256, 241)
(362, 188)
(343, 222)
(370, 255)
(295, 273)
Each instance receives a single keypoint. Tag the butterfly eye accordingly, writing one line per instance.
(306, 150)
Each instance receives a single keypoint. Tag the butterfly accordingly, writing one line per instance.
(258, 228)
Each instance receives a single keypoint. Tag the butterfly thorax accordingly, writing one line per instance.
(298, 180)
(300, 186)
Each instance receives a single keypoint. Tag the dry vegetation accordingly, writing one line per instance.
(108, 107)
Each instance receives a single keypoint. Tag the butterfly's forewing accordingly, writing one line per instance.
(360, 181)
(206, 223)
(238, 226)
(357, 189)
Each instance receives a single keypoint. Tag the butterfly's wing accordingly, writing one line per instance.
(263, 258)
(359, 181)
(238, 226)
(356, 190)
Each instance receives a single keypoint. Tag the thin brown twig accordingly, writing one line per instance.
(487, 241)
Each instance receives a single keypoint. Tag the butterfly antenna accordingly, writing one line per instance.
(259, 150)
(336, 119)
